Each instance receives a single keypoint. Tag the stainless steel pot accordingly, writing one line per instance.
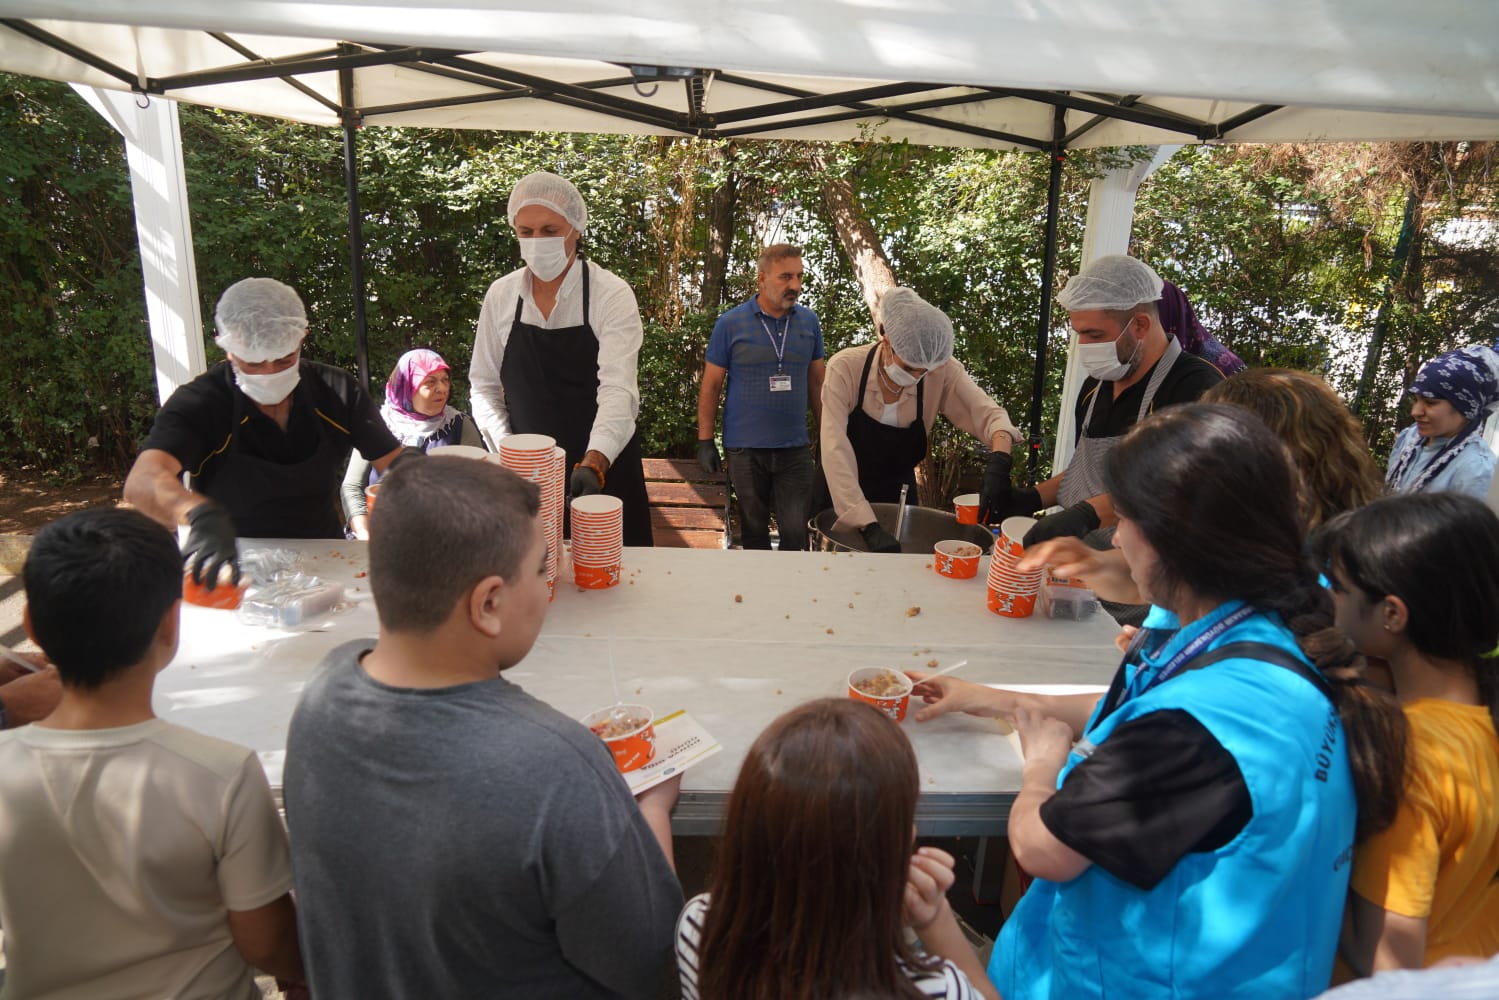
(923, 528)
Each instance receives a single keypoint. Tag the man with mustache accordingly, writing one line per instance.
(768, 351)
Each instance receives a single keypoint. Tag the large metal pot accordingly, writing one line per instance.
(923, 528)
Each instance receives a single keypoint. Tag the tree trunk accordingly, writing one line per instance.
(720, 230)
(857, 236)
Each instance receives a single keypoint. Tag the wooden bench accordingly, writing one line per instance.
(688, 506)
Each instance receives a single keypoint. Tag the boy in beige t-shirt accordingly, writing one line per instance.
(137, 858)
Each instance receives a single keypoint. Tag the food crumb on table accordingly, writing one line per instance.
(738, 598)
(912, 612)
(830, 631)
(850, 603)
(931, 663)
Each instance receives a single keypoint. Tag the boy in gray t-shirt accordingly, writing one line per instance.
(451, 835)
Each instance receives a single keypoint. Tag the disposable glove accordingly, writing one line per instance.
(584, 482)
(995, 494)
(707, 456)
(878, 539)
(1078, 520)
(210, 544)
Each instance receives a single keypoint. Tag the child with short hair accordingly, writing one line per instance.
(138, 859)
(1415, 579)
(453, 836)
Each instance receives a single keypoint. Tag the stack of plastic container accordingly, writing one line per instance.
(598, 540)
(534, 457)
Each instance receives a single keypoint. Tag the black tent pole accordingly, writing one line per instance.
(356, 232)
(1048, 277)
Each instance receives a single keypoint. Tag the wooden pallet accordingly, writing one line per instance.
(688, 505)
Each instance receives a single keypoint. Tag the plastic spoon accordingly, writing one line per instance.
(944, 670)
(18, 660)
(619, 703)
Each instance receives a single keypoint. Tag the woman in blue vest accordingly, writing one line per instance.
(1196, 840)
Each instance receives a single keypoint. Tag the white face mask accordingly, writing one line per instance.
(900, 376)
(1102, 360)
(268, 390)
(546, 256)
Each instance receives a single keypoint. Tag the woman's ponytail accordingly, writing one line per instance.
(1373, 723)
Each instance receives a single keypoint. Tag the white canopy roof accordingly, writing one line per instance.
(989, 73)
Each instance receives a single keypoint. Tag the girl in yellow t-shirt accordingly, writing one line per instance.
(1415, 579)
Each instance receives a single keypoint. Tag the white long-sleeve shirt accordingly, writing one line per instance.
(615, 318)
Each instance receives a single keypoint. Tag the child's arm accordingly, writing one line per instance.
(656, 805)
(927, 912)
(266, 937)
(1375, 939)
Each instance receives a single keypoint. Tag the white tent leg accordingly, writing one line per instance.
(158, 185)
(1111, 214)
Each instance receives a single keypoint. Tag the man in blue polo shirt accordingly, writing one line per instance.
(769, 353)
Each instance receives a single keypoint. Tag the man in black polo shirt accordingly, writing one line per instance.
(1134, 369)
(264, 435)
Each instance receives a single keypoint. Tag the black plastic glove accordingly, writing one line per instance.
(409, 451)
(1023, 503)
(210, 544)
(584, 482)
(878, 539)
(707, 456)
(995, 494)
(1078, 520)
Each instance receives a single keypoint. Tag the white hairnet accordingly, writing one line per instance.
(549, 191)
(1112, 282)
(918, 331)
(259, 319)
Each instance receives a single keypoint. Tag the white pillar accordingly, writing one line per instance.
(1111, 215)
(1491, 435)
(158, 185)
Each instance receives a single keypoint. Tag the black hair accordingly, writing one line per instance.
(442, 525)
(98, 584)
(1215, 494)
(1437, 552)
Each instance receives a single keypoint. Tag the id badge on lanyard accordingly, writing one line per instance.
(780, 381)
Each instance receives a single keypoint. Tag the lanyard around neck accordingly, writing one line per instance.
(1191, 650)
(780, 348)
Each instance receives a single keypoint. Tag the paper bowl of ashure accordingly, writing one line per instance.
(887, 690)
(956, 558)
(628, 731)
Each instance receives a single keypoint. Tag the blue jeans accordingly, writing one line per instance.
(778, 479)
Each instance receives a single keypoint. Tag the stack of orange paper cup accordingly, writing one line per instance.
(1012, 593)
(598, 540)
(553, 508)
(530, 457)
(458, 451)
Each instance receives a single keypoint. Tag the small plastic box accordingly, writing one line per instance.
(1062, 600)
(290, 600)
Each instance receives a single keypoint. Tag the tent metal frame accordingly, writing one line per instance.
(786, 109)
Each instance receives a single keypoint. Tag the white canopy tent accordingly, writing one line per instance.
(1047, 75)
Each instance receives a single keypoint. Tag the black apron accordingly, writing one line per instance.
(271, 500)
(551, 383)
(887, 456)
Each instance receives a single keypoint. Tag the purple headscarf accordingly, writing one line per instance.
(410, 372)
(1179, 321)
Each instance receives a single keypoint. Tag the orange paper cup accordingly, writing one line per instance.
(596, 577)
(634, 744)
(957, 559)
(370, 492)
(892, 704)
(225, 596)
(1011, 605)
(966, 507)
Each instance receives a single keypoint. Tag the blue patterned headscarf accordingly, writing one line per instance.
(1468, 378)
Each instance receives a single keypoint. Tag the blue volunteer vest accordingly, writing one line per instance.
(1257, 918)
